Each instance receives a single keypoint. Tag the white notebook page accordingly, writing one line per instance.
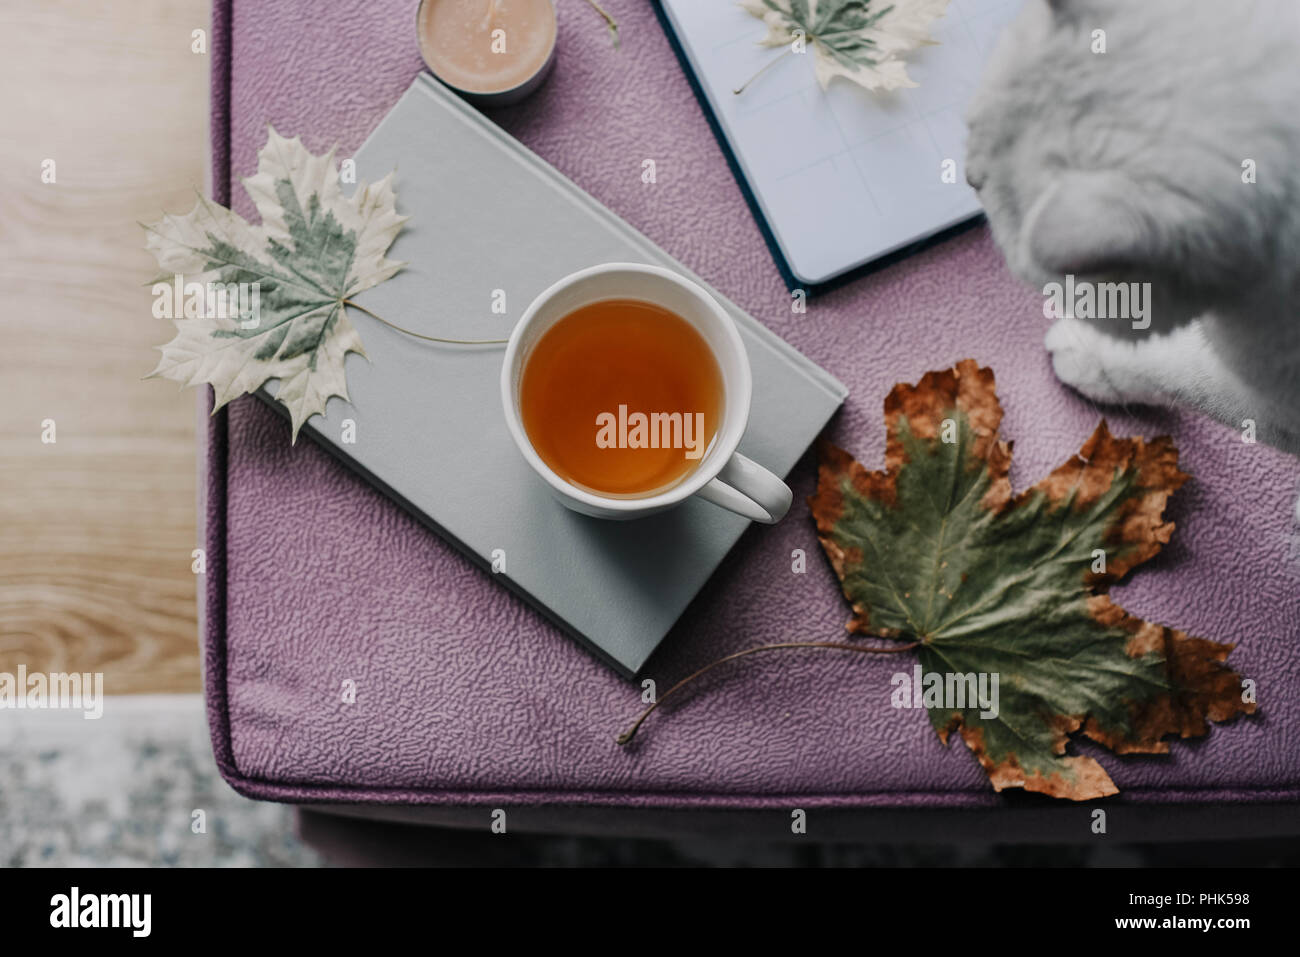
(844, 176)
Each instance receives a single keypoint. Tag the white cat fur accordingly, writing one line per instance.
(1128, 166)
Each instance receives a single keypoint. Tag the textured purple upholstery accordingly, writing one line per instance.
(465, 696)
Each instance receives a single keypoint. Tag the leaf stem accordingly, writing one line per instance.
(767, 66)
(630, 733)
(610, 22)
(420, 335)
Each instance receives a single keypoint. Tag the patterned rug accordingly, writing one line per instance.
(137, 787)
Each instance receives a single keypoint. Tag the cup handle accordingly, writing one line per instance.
(746, 488)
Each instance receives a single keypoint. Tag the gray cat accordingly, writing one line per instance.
(1170, 159)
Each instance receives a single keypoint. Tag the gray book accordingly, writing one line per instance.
(488, 218)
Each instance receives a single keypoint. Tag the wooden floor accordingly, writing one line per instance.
(96, 528)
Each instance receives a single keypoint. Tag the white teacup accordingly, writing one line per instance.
(723, 476)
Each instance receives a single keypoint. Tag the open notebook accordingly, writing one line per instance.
(486, 215)
(843, 177)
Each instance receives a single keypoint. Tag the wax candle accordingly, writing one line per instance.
(492, 51)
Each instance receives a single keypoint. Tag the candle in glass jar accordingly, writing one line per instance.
(493, 51)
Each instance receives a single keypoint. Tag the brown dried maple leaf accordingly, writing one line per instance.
(936, 550)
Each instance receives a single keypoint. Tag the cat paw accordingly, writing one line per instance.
(1096, 365)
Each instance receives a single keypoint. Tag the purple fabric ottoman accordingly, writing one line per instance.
(467, 699)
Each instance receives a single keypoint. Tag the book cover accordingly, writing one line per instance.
(492, 222)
